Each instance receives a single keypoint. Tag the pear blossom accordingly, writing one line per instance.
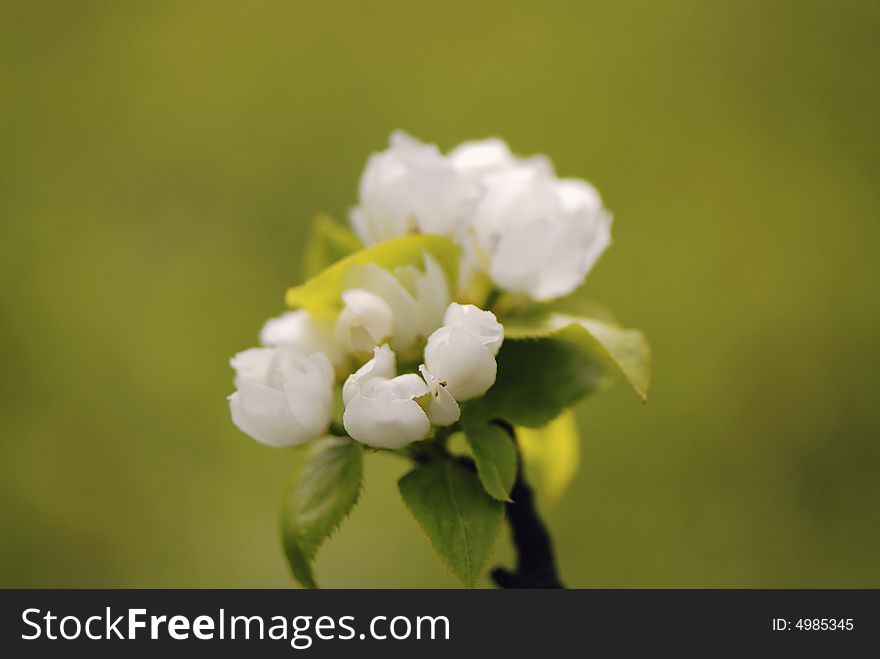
(533, 233)
(522, 234)
(303, 334)
(410, 187)
(282, 399)
(539, 234)
(380, 406)
(461, 353)
(402, 307)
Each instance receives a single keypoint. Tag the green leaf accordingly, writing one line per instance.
(329, 241)
(620, 350)
(321, 293)
(459, 518)
(326, 490)
(538, 379)
(494, 453)
(551, 454)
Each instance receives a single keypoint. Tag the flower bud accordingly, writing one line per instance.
(402, 307)
(462, 352)
(282, 399)
(380, 410)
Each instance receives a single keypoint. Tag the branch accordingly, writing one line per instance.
(535, 563)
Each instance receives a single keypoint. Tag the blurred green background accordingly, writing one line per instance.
(159, 162)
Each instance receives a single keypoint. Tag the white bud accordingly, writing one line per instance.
(462, 353)
(403, 307)
(380, 410)
(282, 399)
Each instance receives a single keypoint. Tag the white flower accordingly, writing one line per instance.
(532, 232)
(410, 187)
(380, 409)
(540, 235)
(302, 334)
(282, 399)
(402, 308)
(461, 354)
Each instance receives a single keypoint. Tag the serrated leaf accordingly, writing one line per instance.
(459, 518)
(325, 491)
(329, 241)
(321, 293)
(622, 350)
(551, 454)
(494, 454)
(538, 379)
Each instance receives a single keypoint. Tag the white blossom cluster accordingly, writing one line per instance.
(529, 232)
(285, 390)
(532, 232)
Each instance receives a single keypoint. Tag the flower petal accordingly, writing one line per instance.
(263, 413)
(382, 365)
(443, 409)
(403, 307)
(480, 158)
(385, 422)
(482, 324)
(308, 387)
(365, 322)
(301, 333)
(254, 365)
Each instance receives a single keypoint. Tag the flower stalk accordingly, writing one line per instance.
(535, 562)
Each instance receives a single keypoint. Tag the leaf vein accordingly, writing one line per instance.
(460, 518)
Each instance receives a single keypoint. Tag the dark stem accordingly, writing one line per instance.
(535, 563)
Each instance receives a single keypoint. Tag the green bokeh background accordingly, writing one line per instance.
(159, 162)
